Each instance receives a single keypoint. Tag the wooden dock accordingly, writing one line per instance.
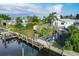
(21, 37)
(32, 42)
(41, 46)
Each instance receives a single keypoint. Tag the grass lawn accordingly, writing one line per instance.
(21, 30)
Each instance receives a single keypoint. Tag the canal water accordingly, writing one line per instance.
(13, 47)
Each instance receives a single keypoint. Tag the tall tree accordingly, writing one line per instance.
(18, 21)
(71, 16)
(34, 20)
(5, 17)
(61, 16)
(50, 17)
(77, 16)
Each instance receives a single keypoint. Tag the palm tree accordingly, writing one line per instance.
(50, 17)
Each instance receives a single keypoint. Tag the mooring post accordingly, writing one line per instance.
(32, 43)
(22, 51)
(62, 50)
(40, 48)
(4, 37)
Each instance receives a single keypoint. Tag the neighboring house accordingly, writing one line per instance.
(59, 24)
(68, 22)
(63, 23)
(3, 22)
(11, 22)
(76, 22)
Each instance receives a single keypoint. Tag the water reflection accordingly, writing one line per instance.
(15, 47)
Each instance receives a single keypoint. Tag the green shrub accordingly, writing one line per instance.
(68, 45)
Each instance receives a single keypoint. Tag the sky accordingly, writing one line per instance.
(39, 9)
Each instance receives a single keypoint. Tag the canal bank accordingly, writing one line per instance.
(45, 46)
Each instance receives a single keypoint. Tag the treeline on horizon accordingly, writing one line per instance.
(70, 16)
(7, 17)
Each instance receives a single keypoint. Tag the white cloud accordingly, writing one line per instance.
(56, 8)
(29, 8)
(36, 9)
